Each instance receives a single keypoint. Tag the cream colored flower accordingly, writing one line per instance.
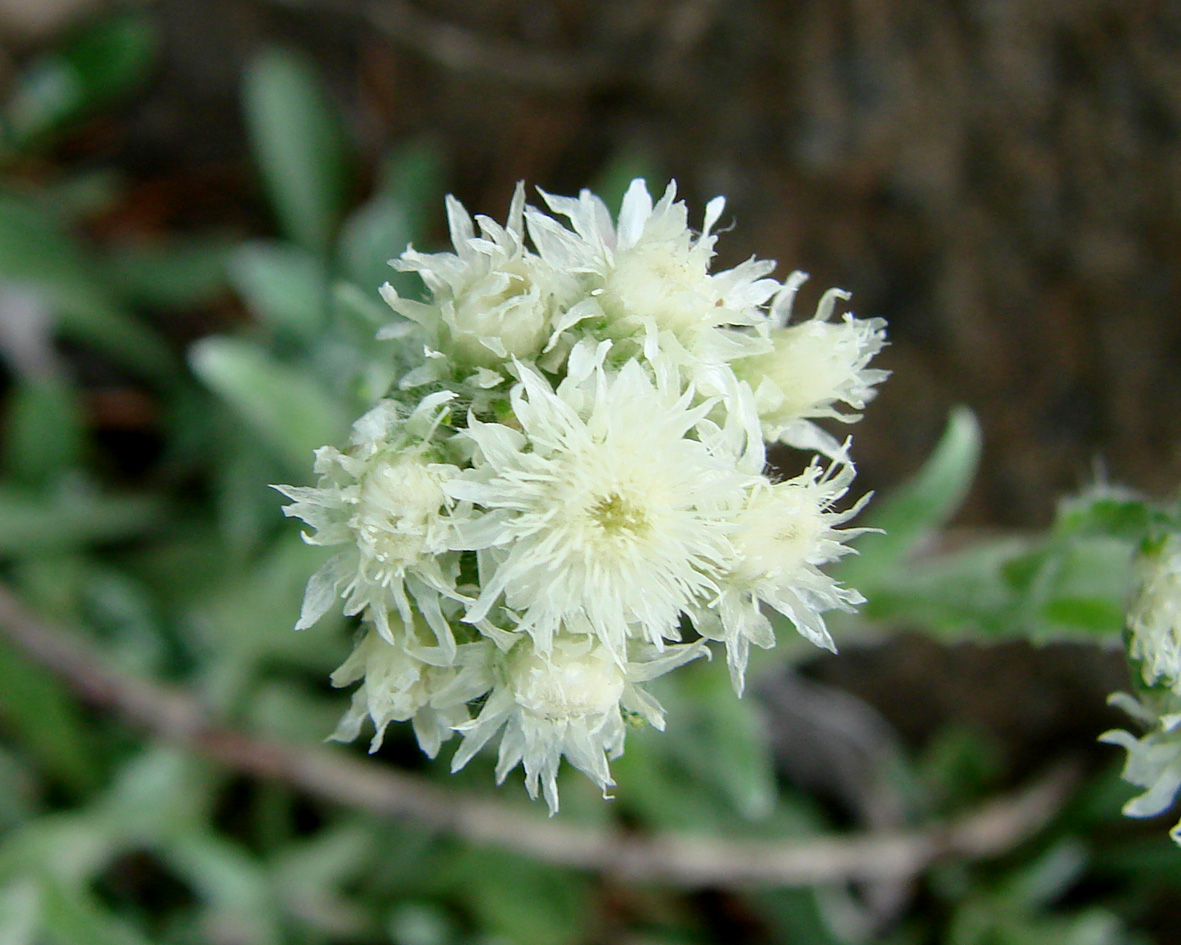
(411, 680)
(602, 507)
(647, 280)
(811, 369)
(783, 534)
(488, 302)
(586, 480)
(569, 701)
(1154, 620)
(1154, 759)
(384, 504)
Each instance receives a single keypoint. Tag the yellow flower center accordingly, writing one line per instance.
(616, 515)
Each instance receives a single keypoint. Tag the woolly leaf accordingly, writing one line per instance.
(299, 145)
(284, 406)
(284, 286)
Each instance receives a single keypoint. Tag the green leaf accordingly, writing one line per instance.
(246, 513)
(284, 406)
(409, 189)
(1070, 584)
(100, 64)
(250, 617)
(521, 899)
(723, 740)
(365, 310)
(285, 286)
(232, 884)
(36, 523)
(123, 613)
(284, 712)
(421, 923)
(376, 232)
(72, 916)
(170, 274)
(184, 564)
(922, 506)
(956, 594)
(1013, 588)
(958, 766)
(364, 368)
(658, 766)
(18, 791)
(70, 847)
(158, 795)
(51, 584)
(1104, 510)
(1087, 587)
(647, 776)
(20, 912)
(45, 432)
(1045, 879)
(795, 916)
(299, 145)
(329, 859)
(45, 718)
(36, 254)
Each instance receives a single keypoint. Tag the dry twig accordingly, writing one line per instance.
(635, 55)
(691, 862)
(462, 50)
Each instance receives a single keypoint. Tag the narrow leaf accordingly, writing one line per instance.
(98, 65)
(45, 433)
(20, 913)
(287, 408)
(170, 274)
(74, 917)
(37, 522)
(923, 505)
(299, 145)
(46, 719)
(36, 254)
(285, 286)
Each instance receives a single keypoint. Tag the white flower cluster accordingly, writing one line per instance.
(569, 495)
(1154, 648)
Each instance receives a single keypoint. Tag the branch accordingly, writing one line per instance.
(464, 50)
(637, 54)
(691, 862)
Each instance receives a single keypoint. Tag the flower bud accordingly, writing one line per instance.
(1154, 619)
(813, 367)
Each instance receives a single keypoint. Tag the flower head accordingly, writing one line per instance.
(411, 680)
(1154, 620)
(602, 510)
(811, 368)
(1154, 759)
(648, 281)
(490, 301)
(568, 701)
(784, 533)
(383, 502)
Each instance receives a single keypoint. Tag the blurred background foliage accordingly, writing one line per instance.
(197, 202)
